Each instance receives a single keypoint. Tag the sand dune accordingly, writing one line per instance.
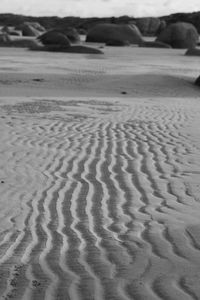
(99, 198)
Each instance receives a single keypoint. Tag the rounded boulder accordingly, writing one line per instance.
(54, 38)
(179, 35)
(103, 33)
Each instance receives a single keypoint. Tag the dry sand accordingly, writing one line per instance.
(100, 191)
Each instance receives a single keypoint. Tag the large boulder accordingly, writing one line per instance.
(70, 32)
(103, 33)
(148, 26)
(54, 38)
(28, 30)
(179, 35)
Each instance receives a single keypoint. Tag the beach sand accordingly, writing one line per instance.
(99, 175)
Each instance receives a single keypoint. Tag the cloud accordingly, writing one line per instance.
(87, 8)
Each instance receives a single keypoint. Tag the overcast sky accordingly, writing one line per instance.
(88, 8)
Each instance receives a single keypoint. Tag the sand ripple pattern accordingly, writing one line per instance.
(99, 200)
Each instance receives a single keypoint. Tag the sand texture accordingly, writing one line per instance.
(100, 194)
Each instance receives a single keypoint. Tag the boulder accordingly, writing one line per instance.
(103, 33)
(179, 35)
(70, 32)
(148, 26)
(54, 38)
(193, 52)
(28, 30)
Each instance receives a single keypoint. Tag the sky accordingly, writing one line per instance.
(98, 8)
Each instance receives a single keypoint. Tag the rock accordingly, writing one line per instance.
(28, 30)
(103, 33)
(54, 38)
(193, 52)
(148, 26)
(70, 32)
(179, 35)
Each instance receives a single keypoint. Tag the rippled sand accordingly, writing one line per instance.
(99, 190)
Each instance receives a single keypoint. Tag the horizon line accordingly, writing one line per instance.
(99, 17)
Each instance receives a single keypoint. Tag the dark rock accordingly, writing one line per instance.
(179, 35)
(70, 32)
(28, 30)
(104, 33)
(54, 38)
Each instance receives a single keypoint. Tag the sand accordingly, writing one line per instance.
(99, 175)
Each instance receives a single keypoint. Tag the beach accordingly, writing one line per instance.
(99, 175)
